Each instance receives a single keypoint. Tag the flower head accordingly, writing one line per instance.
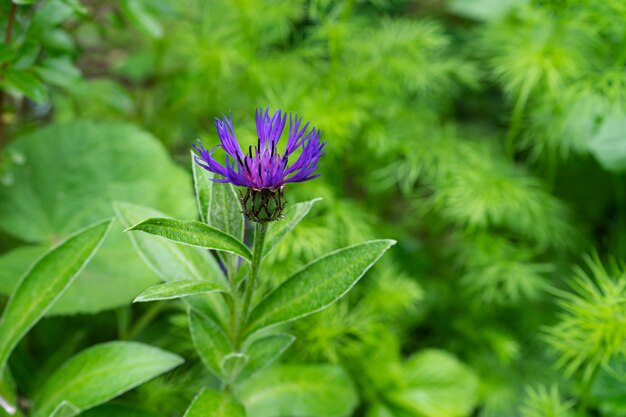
(263, 166)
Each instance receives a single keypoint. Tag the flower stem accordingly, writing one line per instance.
(257, 255)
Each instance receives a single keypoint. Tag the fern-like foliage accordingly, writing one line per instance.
(592, 324)
(545, 402)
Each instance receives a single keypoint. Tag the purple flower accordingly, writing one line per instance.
(263, 166)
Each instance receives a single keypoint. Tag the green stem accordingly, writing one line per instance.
(257, 255)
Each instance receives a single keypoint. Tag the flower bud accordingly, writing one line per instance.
(263, 205)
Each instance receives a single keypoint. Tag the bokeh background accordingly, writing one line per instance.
(487, 136)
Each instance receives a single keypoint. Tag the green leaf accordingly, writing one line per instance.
(173, 262)
(58, 71)
(193, 233)
(232, 365)
(6, 53)
(26, 55)
(14, 264)
(317, 285)
(25, 2)
(202, 186)
(8, 393)
(209, 403)
(609, 144)
(65, 409)
(101, 373)
(483, 10)
(299, 391)
(141, 17)
(118, 410)
(436, 385)
(263, 351)
(210, 341)
(68, 176)
(279, 229)
(178, 289)
(45, 282)
(25, 83)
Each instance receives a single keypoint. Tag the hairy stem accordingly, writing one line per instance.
(257, 255)
(7, 40)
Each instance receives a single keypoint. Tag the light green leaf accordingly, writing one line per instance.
(202, 186)
(8, 393)
(317, 285)
(58, 71)
(25, 2)
(178, 289)
(299, 391)
(483, 10)
(263, 351)
(141, 17)
(45, 282)
(101, 373)
(25, 83)
(65, 409)
(232, 365)
(193, 233)
(68, 176)
(210, 341)
(279, 229)
(173, 262)
(209, 403)
(14, 264)
(436, 385)
(609, 144)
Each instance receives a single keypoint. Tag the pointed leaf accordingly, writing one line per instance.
(299, 391)
(317, 285)
(263, 351)
(45, 282)
(65, 409)
(209, 403)
(202, 186)
(210, 341)
(177, 289)
(173, 262)
(193, 233)
(8, 393)
(279, 229)
(101, 373)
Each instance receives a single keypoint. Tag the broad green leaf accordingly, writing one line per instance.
(101, 373)
(173, 262)
(609, 144)
(26, 55)
(202, 186)
(25, 83)
(299, 391)
(45, 282)
(209, 403)
(279, 229)
(263, 351)
(210, 340)
(13, 264)
(58, 71)
(436, 384)
(141, 17)
(317, 285)
(67, 178)
(178, 289)
(193, 233)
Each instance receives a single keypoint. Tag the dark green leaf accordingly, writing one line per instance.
(317, 285)
(25, 83)
(193, 233)
(202, 186)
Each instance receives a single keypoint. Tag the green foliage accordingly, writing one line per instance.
(592, 326)
(544, 402)
(299, 390)
(100, 373)
(212, 403)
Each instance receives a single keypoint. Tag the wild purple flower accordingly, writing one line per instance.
(263, 166)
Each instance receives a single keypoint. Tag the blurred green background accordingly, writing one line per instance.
(487, 136)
